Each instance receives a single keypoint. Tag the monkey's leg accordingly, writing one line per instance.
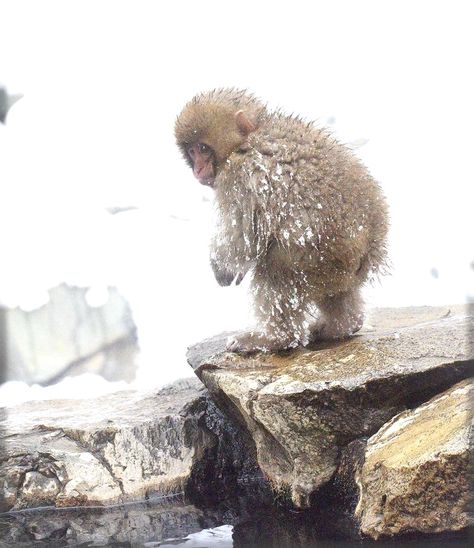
(341, 316)
(280, 311)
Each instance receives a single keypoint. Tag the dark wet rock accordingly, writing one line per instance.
(343, 491)
(417, 472)
(302, 408)
(228, 469)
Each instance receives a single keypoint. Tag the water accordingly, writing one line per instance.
(174, 522)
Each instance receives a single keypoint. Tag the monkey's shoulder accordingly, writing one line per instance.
(290, 140)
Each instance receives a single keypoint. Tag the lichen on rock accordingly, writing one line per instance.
(417, 471)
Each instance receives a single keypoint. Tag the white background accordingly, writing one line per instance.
(103, 82)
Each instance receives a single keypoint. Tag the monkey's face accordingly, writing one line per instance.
(202, 159)
(210, 129)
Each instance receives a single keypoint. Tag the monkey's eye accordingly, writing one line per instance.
(199, 148)
(204, 149)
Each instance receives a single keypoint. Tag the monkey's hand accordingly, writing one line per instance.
(224, 276)
(240, 276)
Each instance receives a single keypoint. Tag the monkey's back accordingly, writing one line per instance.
(311, 199)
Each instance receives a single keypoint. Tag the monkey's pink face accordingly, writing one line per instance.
(203, 160)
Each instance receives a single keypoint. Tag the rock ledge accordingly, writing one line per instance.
(302, 408)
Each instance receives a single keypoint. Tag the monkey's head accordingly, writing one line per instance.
(212, 126)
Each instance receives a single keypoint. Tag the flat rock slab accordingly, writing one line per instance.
(417, 474)
(120, 447)
(127, 525)
(302, 407)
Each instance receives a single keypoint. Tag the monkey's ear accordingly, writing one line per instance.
(243, 123)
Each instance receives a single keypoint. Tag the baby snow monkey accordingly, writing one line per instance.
(296, 208)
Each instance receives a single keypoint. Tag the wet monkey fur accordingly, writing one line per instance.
(296, 209)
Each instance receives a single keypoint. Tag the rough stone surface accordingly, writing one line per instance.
(301, 408)
(416, 475)
(124, 446)
(131, 525)
(287, 428)
(66, 335)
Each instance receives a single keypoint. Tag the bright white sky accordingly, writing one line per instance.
(103, 83)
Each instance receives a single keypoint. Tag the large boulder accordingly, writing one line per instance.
(417, 476)
(126, 446)
(302, 408)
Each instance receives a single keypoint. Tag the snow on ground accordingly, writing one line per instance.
(82, 386)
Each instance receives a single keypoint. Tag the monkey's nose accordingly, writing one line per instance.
(198, 170)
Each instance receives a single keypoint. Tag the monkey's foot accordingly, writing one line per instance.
(334, 330)
(256, 341)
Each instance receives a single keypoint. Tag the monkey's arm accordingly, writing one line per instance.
(234, 249)
(245, 230)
